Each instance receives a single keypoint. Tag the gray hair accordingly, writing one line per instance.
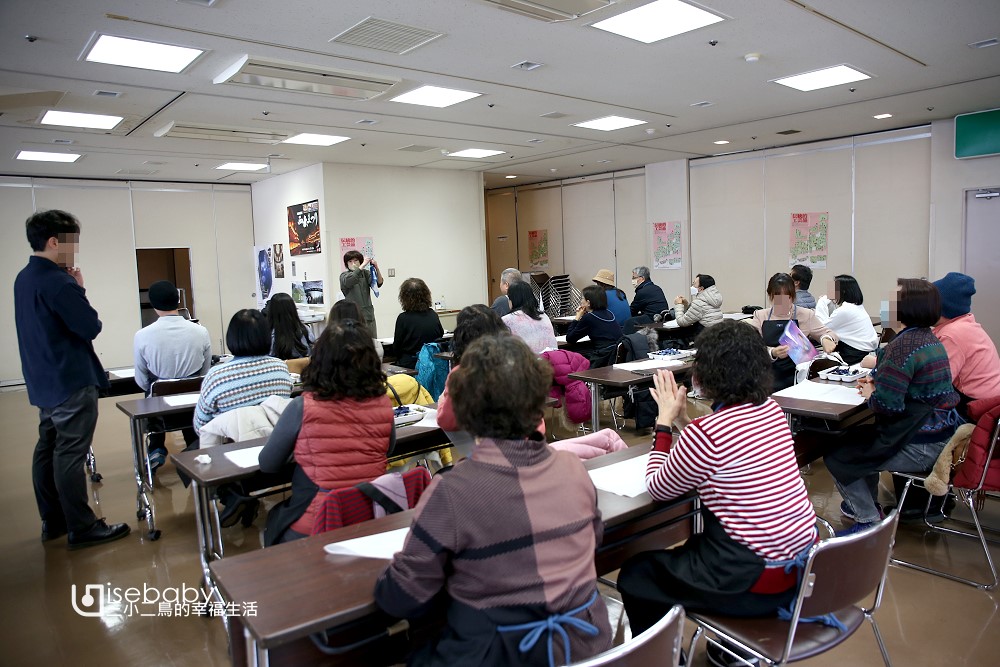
(510, 276)
(642, 272)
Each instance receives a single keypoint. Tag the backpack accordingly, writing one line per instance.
(431, 371)
(638, 403)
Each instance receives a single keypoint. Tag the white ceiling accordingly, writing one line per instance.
(916, 51)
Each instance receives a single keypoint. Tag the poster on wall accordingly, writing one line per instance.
(278, 259)
(363, 244)
(667, 252)
(808, 244)
(298, 293)
(538, 249)
(303, 229)
(314, 291)
(262, 260)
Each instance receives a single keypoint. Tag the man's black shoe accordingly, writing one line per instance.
(52, 529)
(99, 533)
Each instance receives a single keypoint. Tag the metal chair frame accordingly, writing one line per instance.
(665, 634)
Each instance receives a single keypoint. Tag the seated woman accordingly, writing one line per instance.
(508, 535)
(348, 310)
(911, 393)
(290, 338)
(417, 324)
(338, 431)
(740, 459)
(525, 322)
(595, 320)
(617, 301)
(250, 377)
(844, 315)
(771, 323)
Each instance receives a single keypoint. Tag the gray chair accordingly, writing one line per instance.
(840, 572)
(659, 645)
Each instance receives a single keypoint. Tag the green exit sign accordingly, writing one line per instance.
(977, 134)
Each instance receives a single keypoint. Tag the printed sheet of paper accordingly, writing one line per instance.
(178, 400)
(627, 478)
(842, 394)
(245, 458)
(736, 316)
(808, 241)
(649, 364)
(379, 545)
(562, 339)
(123, 372)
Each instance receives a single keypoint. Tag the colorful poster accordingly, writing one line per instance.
(538, 249)
(278, 259)
(363, 244)
(667, 245)
(298, 293)
(303, 229)
(808, 244)
(264, 276)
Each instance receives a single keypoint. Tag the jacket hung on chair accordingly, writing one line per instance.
(984, 413)
(431, 371)
(574, 394)
(639, 403)
(407, 389)
(350, 505)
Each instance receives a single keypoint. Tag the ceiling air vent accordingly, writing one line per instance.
(552, 10)
(554, 114)
(217, 133)
(789, 132)
(417, 148)
(382, 35)
(260, 73)
(702, 105)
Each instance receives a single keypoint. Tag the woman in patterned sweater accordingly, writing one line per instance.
(911, 394)
(509, 534)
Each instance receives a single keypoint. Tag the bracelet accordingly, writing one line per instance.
(660, 428)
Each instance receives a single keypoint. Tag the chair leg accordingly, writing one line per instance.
(878, 638)
(694, 642)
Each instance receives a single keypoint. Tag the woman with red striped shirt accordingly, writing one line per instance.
(740, 461)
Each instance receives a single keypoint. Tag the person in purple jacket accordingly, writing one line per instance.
(56, 327)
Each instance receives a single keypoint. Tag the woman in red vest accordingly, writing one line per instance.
(338, 432)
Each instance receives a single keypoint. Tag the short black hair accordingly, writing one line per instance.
(781, 283)
(919, 302)
(522, 298)
(732, 365)
(353, 254)
(345, 310)
(705, 280)
(43, 225)
(344, 364)
(472, 323)
(847, 289)
(499, 390)
(803, 275)
(248, 334)
(597, 296)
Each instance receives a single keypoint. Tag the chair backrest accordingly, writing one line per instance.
(981, 467)
(842, 571)
(659, 645)
(180, 386)
(297, 365)
(821, 365)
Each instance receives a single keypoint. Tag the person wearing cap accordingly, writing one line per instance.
(975, 367)
(501, 305)
(170, 348)
(617, 301)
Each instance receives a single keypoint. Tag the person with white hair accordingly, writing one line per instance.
(501, 305)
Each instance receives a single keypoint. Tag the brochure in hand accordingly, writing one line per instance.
(800, 348)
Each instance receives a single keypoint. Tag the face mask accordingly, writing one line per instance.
(694, 291)
(635, 282)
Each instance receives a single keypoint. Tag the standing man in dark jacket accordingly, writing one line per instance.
(56, 326)
(648, 301)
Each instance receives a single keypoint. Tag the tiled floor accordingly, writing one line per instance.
(925, 620)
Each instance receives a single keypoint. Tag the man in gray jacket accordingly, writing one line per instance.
(705, 307)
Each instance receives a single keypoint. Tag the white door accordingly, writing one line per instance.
(982, 257)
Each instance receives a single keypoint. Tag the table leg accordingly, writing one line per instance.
(144, 488)
(595, 406)
(257, 656)
(204, 528)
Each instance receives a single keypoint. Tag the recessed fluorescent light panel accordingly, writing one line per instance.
(609, 123)
(720, 142)
(475, 152)
(242, 166)
(42, 156)
(882, 116)
(73, 119)
(658, 20)
(822, 78)
(435, 96)
(510, 176)
(141, 54)
(315, 139)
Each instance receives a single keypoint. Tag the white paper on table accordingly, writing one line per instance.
(430, 417)
(626, 478)
(562, 339)
(385, 341)
(123, 372)
(180, 399)
(843, 394)
(671, 324)
(649, 364)
(379, 545)
(245, 458)
(736, 316)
